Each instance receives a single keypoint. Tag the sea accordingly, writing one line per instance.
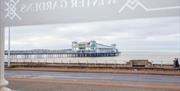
(123, 58)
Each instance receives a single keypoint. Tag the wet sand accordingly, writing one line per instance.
(23, 84)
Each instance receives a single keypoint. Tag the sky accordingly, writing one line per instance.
(145, 34)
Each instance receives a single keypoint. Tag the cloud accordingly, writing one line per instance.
(155, 34)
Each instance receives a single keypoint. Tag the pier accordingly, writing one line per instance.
(79, 49)
(31, 54)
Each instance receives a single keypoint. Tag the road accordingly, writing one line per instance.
(88, 81)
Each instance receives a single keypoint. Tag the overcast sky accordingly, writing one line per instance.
(152, 34)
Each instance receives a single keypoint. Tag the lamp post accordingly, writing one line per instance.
(9, 47)
(3, 81)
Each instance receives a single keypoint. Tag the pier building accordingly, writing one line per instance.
(93, 46)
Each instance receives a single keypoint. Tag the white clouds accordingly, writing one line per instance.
(154, 34)
(165, 38)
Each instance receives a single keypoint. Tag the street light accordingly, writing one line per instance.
(9, 47)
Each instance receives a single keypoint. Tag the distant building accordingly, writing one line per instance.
(93, 46)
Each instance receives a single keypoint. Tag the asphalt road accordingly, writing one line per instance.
(62, 81)
(136, 78)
